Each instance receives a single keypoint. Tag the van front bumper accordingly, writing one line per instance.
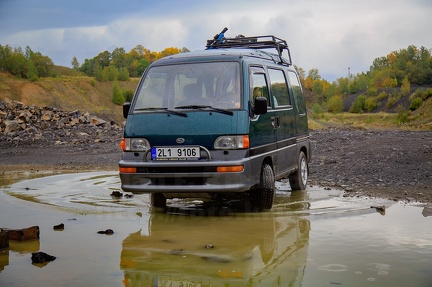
(185, 177)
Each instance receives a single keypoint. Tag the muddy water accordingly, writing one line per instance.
(312, 238)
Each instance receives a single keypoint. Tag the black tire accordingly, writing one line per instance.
(158, 201)
(263, 197)
(298, 180)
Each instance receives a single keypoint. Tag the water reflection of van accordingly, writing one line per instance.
(217, 251)
(222, 123)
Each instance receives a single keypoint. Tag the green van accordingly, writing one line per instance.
(221, 124)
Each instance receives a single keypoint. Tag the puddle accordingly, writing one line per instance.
(312, 238)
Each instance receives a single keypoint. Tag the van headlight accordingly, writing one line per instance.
(135, 144)
(232, 142)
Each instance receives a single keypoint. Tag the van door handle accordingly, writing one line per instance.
(275, 122)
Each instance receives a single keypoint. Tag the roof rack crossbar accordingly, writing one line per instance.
(255, 42)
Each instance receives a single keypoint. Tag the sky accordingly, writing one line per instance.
(333, 36)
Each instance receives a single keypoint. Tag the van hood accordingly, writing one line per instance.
(198, 128)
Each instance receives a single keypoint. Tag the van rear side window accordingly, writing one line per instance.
(278, 88)
(297, 92)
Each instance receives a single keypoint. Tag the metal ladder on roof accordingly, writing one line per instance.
(255, 42)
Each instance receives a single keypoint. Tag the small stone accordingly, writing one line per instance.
(116, 194)
(41, 257)
(106, 232)
(380, 209)
(59, 227)
(427, 211)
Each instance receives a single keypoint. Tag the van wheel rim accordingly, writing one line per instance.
(303, 171)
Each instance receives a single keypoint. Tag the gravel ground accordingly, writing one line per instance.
(389, 164)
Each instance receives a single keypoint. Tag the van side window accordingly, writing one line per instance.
(258, 86)
(279, 88)
(297, 92)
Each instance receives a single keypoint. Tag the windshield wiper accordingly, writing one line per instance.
(202, 107)
(163, 109)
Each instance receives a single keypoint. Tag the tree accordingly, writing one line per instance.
(335, 104)
(314, 75)
(75, 63)
(32, 73)
(301, 73)
(143, 64)
(97, 72)
(42, 63)
(406, 86)
(104, 59)
(123, 74)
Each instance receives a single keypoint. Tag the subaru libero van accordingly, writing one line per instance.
(223, 123)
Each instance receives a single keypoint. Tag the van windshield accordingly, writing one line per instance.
(185, 86)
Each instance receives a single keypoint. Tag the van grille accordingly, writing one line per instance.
(179, 181)
(193, 169)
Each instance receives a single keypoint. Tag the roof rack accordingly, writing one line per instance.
(256, 42)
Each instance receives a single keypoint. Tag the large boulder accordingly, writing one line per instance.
(29, 233)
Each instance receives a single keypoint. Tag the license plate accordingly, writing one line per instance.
(176, 153)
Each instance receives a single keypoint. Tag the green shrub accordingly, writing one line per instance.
(427, 94)
(128, 95)
(415, 104)
(335, 104)
(391, 102)
(402, 114)
(117, 95)
(359, 105)
(382, 96)
(317, 109)
(371, 104)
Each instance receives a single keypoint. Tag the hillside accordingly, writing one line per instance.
(66, 93)
(73, 91)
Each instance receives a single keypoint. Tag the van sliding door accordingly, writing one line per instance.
(286, 155)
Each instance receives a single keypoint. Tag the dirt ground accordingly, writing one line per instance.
(375, 163)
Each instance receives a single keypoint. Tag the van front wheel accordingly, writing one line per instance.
(263, 197)
(298, 180)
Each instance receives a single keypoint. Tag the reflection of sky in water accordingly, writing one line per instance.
(87, 192)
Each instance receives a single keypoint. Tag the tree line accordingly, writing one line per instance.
(106, 66)
(120, 65)
(25, 64)
(399, 69)
(388, 79)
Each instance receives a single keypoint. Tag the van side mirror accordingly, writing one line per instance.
(126, 108)
(260, 106)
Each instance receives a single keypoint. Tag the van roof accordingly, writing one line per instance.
(224, 54)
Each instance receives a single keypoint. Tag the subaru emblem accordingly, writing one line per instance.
(180, 140)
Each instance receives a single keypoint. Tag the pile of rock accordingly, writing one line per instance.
(22, 123)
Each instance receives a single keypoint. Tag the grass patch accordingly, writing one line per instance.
(364, 120)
